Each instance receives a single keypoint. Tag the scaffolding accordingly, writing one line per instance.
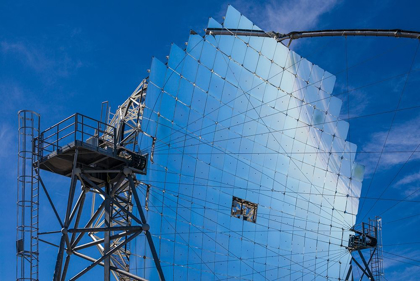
(367, 237)
(103, 159)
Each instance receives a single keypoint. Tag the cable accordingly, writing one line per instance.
(236, 233)
(389, 130)
(418, 261)
(400, 219)
(315, 81)
(399, 244)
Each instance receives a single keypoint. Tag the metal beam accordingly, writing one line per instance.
(370, 276)
(399, 33)
(108, 212)
(350, 32)
(112, 199)
(107, 254)
(59, 262)
(79, 201)
(100, 171)
(93, 243)
(112, 228)
(49, 199)
(89, 223)
(123, 272)
(72, 190)
(79, 215)
(361, 267)
(370, 259)
(66, 266)
(238, 32)
(148, 235)
(349, 273)
(49, 243)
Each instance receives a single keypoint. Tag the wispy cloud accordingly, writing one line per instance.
(355, 104)
(398, 264)
(7, 137)
(56, 63)
(401, 264)
(354, 101)
(11, 94)
(410, 184)
(409, 179)
(32, 57)
(16, 97)
(409, 273)
(285, 16)
(8, 149)
(404, 136)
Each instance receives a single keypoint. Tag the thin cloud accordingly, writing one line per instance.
(409, 179)
(285, 16)
(354, 103)
(410, 184)
(403, 136)
(392, 261)
(16, 97)
(30, 56)
(56, 63)
(297, 15)
(7, 136)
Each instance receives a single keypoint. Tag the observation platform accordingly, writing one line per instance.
(95, 141)
(365, 236)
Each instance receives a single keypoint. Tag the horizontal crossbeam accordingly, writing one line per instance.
(103, 229)
(123, 272)
(399, 33)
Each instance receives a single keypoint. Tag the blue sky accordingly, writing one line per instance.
(59, 58)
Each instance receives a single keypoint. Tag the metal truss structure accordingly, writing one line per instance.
(112, 218)
(103, 160)
(367, 240)
(127, 119)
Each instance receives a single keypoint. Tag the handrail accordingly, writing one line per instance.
(82, 127)
(73, 115)
(59, 131)
(62, 121)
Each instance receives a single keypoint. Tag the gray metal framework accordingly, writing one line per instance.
(127, 119)
(112, 218)
(103, 160)
(367, 239)
(399, 33)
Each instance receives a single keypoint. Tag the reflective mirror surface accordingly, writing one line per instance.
(252, 176)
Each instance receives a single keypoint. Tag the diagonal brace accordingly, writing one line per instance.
(148, 235)
(109, 253)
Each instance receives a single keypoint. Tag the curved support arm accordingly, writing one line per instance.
(316, 33)
(350, 32)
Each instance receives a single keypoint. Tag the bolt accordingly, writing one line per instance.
(77, 171)
(127, 171)
(146, 227)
